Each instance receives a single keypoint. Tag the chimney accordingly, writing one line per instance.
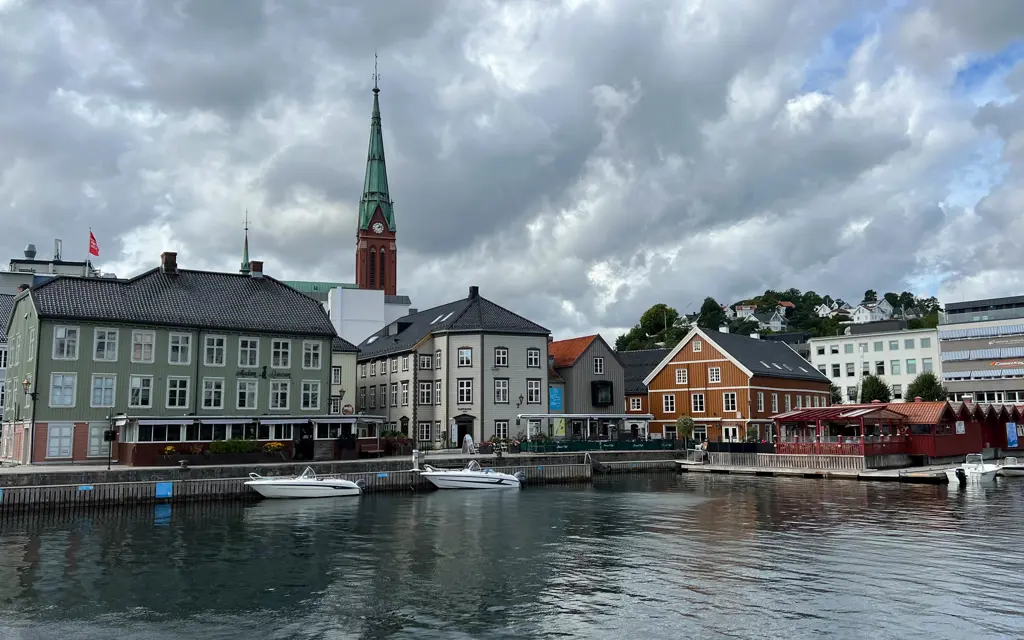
(723, 329)
(918, 399)
(169, 262)
(256, 268)
(551, 338)
(413, 311)
(755, 336)
(22, 287)
(30, 252)
(474, 292)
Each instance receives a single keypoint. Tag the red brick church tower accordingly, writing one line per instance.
(376, 257)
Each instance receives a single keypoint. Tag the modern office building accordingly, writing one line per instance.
(982, 350)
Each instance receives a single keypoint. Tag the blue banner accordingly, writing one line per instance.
(555, 399)
(164, 489)
(1011, 435)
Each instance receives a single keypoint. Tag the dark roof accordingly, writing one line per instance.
(984, 304)
(6, 306)
(473, 314)
(194, 299)
(877, 326)
(766, 358)
(637, 365)
(341, 345)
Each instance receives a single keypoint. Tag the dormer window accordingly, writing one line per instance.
(697, 346)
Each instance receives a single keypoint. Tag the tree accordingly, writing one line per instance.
(712, 316)
(684, 427)
(870, 296)
(661, 325)
(835, 394)
(658, 319)
(874, 388)
(927, 387)
(768, 301)
(893, 299)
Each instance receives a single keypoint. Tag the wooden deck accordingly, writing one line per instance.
(918, 475)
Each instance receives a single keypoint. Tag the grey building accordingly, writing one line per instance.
(981, 345)
(594, 384)
(465, 367)
(31, 269)
(6, 304)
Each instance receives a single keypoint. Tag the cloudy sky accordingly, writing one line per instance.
(579, 160)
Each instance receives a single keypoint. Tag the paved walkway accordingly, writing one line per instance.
(934, 474)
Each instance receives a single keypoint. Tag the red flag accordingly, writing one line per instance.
(94, 247)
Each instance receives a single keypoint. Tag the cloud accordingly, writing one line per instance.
(580, 160)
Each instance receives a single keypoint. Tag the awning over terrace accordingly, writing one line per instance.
(841, 430)
(838, 414)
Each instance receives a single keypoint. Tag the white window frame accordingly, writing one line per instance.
(598, 366)
(911, 367)
(3, 358)
(682, 375)
(697, 402)
(113, 390)
(335, 375)
(212, 389)
(437, 392)
(405, 393)
(635, 403)
(714, 375)
(726, 397)
(668, 403)
(311, 388)
(282, 349)
(501, 429)
(533, 391)
(314, 351)
(184, 341)
(394, 394)
(335, 407)
(65, 431)
(425, 394)
(188, 392)
(76, 342)
(501, 395)
(138, 336)
(788, 402)
(760, 401)
(274, 389)
(31, 344)
(105, 332)
(697, 346)
(252, 393)
(94, 434)
(501, 356)
(775, 403)
(420, 426)
(465, 391)
(141, 387)
(223, 350)
(248, 345)
(437, 360)
(74, 389)
(927, 365)
(426, 362)
(465, 357)
(533, 358)
(405, 363)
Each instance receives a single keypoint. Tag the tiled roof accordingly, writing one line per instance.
(766, 358)
(192, 299)
(6, 306)
(566, 352)
(554, 377)
(341, 345)
(787, 304)
(923, 412)
(637, 365)
(473, 314)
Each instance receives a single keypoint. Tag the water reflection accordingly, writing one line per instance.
(646, 557)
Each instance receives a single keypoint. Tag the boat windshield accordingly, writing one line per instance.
(1010, 461)
(308, 474)
(975, 458)
(473, 466)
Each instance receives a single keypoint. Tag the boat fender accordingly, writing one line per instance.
(361, 483)
(521, 476)
(961, 475)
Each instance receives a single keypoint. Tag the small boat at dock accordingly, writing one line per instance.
(973, 470)
(306, 485)
(1011, 467)
(471, 477)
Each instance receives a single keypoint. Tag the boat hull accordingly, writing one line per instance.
(981, 477)
(304, 489)
(463, 480)
(1016, 470)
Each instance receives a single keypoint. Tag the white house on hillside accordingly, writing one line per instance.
(745, 310)
(872, 312)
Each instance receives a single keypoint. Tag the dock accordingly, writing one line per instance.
(916, 475)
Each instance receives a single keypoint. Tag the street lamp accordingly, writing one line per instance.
(26, 384)
(110, 435)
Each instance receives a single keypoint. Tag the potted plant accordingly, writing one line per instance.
(168, 451)
(486, 447)
(515, 446)
(275, 450)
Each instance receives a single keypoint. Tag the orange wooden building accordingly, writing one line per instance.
(730, 385)
(636, 365)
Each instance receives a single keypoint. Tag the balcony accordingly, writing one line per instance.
(875, 446)
(956, 317)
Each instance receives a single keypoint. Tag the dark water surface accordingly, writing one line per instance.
(648, 557)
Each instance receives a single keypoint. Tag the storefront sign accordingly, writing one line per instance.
(555, 399)
(280, 374)
(960, 428)
(247, 373)
(559, 430)
(1007, 363)
(164, 489)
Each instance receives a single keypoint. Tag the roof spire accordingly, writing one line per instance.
(376, 76)
(375, 184)
(245, 248)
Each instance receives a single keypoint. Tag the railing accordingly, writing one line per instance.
(956, 317)
(894, 444)
(571, 446)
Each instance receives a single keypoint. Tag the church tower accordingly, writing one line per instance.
(376, 259)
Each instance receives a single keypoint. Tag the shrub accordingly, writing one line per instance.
(169, 450)
(218, 447)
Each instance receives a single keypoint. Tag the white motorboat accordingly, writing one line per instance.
(974, 469)
(1011, 467)
(472, 477)
(306, 485)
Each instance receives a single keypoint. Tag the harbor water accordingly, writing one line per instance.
(657, 556)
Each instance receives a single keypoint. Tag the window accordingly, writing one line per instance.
(281, 354)
(821, 351)
(437, 392)
(335, 405)
(760, 400)
(310, 355)
(405, 393)
(533, 358)
(65, 343)
(394, 394)
(894, 345)
(862, 347)
(213, 393)
(879, 368)
(58, 440)
(104, 345)
(437, 360)
(599, 366)
(465, 388)
(908, 344)
(775, 403)
(177, 393)
(405, 363)
(799, 402)
(926, 365)
(31, 343)
(897, 391)
(878, 345)
(817, 400)
(465, 357)
(911, 366)
(214, 350)
(140, 392)
(394, 365)
(533, 392)
(729, 401)
(635, 404)
(142, 346)
(848, 348)
(423, 431)
(425, 393)
(426, 363)
(807, 401)
(714, 374)
(373, 397)
(248, 352)
(849, 370)
(383, 367)
(3, 358)
(697, 346)
(894, 367)
(247, 390)
(62, 389)
(835, 370)
(103, 391)
(926, 343)
(500, 357)
(851, 394)
(501, 429)
(865, 368)
(822, 369)
(789, 402)
(501, 390)
(179, 348)
(681, 376)
(97, 447)
(279, 392)
(834, 349)
(697, 403)
(668, 403)
(335, 375)
(311, 395)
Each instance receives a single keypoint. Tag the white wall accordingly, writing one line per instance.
(357, 313)
(822, 356)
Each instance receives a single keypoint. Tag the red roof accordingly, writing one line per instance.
(839, 412)
(567, 352)
(785, 303)
(923, 412)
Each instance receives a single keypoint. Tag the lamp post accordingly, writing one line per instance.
(110, 435)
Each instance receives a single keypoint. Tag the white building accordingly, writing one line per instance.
(358, 313)
(745, 310)
(872, 312)
(27, 270)
(895, 356)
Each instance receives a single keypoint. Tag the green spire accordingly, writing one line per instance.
(245, 248)
(375, 185)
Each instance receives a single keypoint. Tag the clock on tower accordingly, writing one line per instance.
(378, 227)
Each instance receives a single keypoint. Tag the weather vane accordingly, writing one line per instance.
(376, 76)
(247, 219)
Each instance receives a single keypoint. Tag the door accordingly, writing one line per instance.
(730, 434)
(464, 426)
(58, 440)
(304, 448)
(97, 447)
